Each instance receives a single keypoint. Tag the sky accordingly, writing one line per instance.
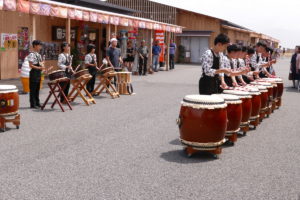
(278, 19)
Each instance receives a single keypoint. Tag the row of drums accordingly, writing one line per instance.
(206, 122)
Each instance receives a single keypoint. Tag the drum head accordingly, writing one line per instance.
(241, 94)
(229, 98)
(56, 72)
(204, 101)
(8, 88)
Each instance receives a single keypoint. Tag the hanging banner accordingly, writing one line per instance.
(9, 41)
(159, 35)
(114, 20)
(86, 16)
(78, 14)
(10, 5)
(23, 6)
(130, 22)
(168, 28)
(71, 13)
(142, 24)
(149, 25)
(45, 9)
(63, 12)
(124, 22)
(1, 4)
(34, 8)
(54, 11)
(93, 17)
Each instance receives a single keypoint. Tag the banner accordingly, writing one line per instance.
(78, 14)
(23, 6)
(93, 17)
(23, 45)
(85, 16)
(159, 35)
(45, 9)
(54, 11)
(10, 5)
(34, 8)
(63, 12)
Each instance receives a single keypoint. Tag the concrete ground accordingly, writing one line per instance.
(128, 148)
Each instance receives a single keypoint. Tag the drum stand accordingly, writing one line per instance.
(57, 91)
(105, 84)
(192, 150)
(231, 137)
(278, 102)
(79, 87)
(9, 119)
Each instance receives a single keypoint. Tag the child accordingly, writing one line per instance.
(36, 65)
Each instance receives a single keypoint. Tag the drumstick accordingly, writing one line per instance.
(77, 68)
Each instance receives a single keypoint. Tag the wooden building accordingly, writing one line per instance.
(22, 24)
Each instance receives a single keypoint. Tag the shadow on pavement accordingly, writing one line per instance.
(175, 142)
(291, 89)
(179, 156)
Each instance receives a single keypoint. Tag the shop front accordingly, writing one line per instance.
(52, 23)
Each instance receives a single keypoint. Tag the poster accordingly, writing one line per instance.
(23, 44)
(9, 40)
(160, 36)
(50, 50)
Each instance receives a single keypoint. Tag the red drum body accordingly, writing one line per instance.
(246, 107)
(234, 115)
(202, 122)
(9, 100)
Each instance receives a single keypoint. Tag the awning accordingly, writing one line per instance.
(64, 10)
(195, 34)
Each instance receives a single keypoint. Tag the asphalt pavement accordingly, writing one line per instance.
(128, 148)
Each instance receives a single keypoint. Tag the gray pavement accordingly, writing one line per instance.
(128, 148)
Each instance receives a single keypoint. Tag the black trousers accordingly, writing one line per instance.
(210, 85)
(34, 92)
(66, 90)
(91, 84)
(143, 66)
(172, 61)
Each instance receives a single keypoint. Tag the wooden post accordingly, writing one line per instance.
(33, 27)
(116, 30)
(68, 31)
(107, 34)
(168, 51)
(150, 47)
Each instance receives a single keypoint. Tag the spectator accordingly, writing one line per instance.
(143, 58)
(113, 56)
(172, 54)
(130, 53)
(156, 50)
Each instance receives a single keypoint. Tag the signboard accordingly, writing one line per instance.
(160, 36)
(23, 44)
(59, 33)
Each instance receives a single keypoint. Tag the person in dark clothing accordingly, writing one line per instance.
(211, 63)
(293, 72)
(172, 54)
(64, 63)
(113, 57)
(143, 58)
(130, 53)
(36, 63)
(91, 64)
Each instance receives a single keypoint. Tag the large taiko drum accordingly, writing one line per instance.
(234, 115)
(57, 75)
(256, 105)
(202, 123)
(280, 87)
(264, 100)
(269, 87)
(246, 107)
(9, 100)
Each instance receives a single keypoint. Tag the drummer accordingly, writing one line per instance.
(91, 64)
(36, 64)
(256, 59)
(64, 63)
(241, 65)
(267, 58)
(212, 67)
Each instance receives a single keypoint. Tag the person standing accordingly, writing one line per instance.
(293, 73)
(156, 50)
(172, 54)
(64, 63)
(212, 66)
(130, 53)
(36, 65)
(143, 58)
(298, 68)
(113, 56)
(91, 64)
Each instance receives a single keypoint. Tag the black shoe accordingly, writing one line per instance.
(34, 107)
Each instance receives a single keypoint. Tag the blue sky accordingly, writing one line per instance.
(279, 19)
